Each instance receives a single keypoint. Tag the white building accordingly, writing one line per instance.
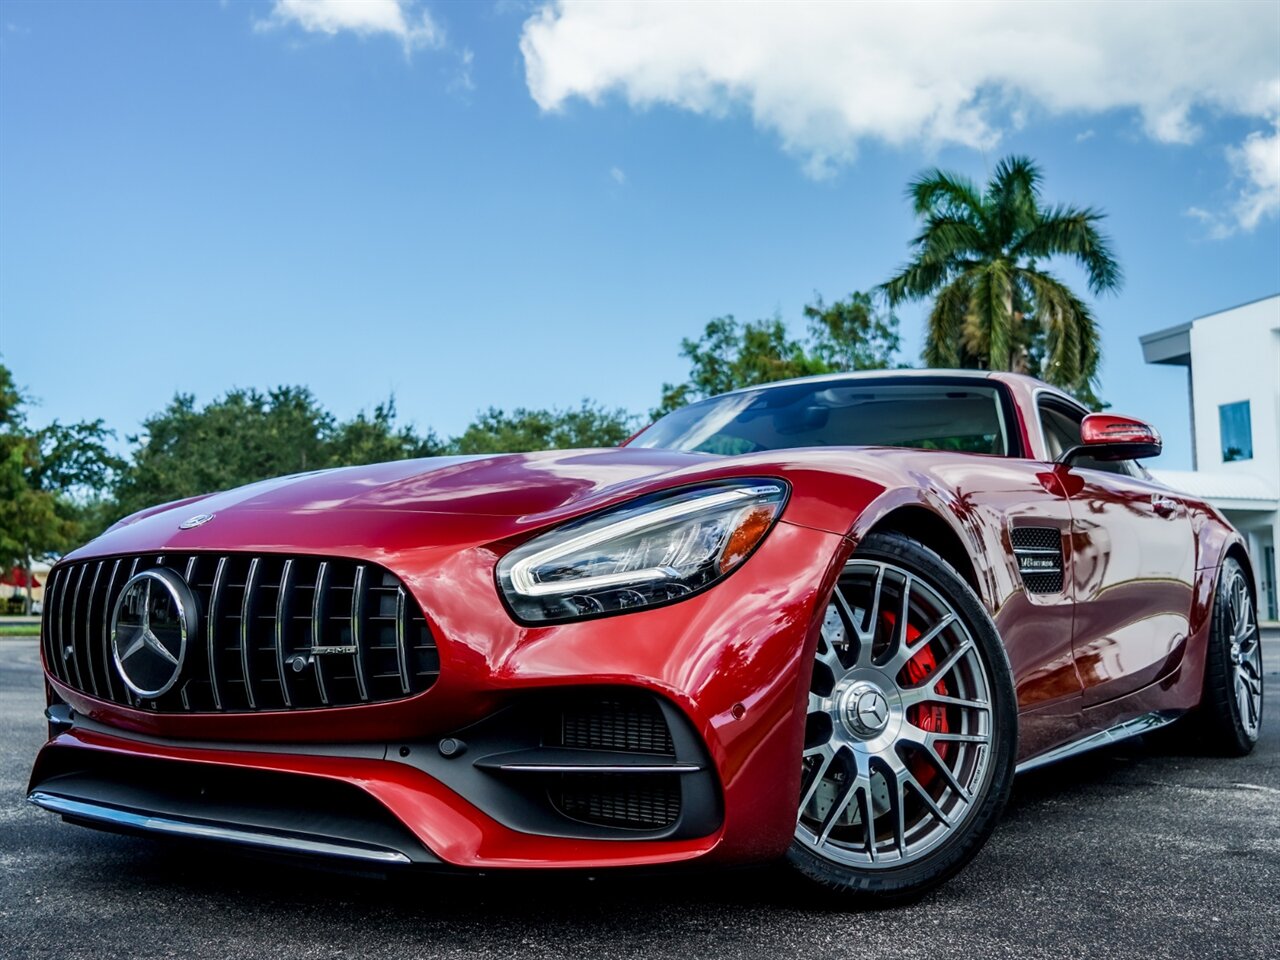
(1233, 385)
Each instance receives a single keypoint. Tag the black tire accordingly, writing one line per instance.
(1221, 721)
(885, 885)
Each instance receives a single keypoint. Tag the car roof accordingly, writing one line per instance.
(856, 375)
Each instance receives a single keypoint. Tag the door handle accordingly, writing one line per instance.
(1164, 506)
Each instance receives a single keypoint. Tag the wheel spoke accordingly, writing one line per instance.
(905, 653)
(948, 774)
(1244, 699)
(914, 695)
(828, 755)
(841, 804)
(831, 660)
(867, 637)
(867, 808)
(1247, 636)
(948, 664)
(873, 618)
(932, 737)
(898, 807)
(905, 779)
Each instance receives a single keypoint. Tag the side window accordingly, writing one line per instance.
(1061, 426)
(1061, 432)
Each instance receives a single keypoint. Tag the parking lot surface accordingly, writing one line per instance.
(1137, 851)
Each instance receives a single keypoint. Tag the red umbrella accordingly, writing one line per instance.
(17, 577)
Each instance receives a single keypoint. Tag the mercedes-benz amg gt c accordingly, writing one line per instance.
(825, 620)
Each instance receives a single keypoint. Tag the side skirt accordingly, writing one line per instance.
(1121, 731)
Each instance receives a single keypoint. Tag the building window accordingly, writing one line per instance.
(1237, 432)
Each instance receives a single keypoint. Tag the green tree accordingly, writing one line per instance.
(588, 425)
(243, 436)
(246, 435)
(51, 481)
(849, 334)
(377, 439)
(979, 255)
(852, 334)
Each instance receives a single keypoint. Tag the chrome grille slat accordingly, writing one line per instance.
(73, 640)
(317, 629)
(107, 606)
(402, 642)
(246, 617)
(211, 629)
(48, 635)
(357, 634)
(256, 613)
(125, 692)
(283, 596)
(88, 633)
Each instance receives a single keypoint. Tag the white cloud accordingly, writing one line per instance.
(1257, 163)
(619, 175)
(1084, 135)
(403, 19)
(825, 76)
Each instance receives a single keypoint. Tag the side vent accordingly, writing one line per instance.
(1039, 553)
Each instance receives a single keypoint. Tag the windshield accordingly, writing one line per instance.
(825, 413)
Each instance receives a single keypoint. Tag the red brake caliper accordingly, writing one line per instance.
(930, 717)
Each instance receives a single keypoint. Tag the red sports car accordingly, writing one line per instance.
(825, 620)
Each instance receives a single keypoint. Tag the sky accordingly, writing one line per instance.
(526, 204)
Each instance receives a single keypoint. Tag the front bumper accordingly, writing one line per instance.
(372, 783)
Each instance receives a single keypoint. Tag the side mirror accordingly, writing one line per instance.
(1105, 436)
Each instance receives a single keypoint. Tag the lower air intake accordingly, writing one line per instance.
(632, 801)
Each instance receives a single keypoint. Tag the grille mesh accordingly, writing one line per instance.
(1039, 546)
(637, 801)
(1036, 538)
(260, 617)
(616, 724)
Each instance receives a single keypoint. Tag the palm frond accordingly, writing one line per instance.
(948, 194)
(1012, 197)
(1073, 232)
(946, 323)
(1071, 334)
(991, 316)
(915, 280)
(945, 238)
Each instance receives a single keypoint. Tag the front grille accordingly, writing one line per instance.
(629, 800)
(614, 723)
(1039, 554)
(276, 632)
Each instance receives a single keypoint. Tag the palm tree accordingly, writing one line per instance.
(978, 257)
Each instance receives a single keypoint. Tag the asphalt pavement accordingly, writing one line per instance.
(1137, 851)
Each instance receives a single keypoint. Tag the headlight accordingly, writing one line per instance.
(651, 551)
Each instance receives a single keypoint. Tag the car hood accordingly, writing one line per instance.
(500, 494)
(452, 502)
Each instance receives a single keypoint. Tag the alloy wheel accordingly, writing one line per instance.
(1244, 653)
(898, 736)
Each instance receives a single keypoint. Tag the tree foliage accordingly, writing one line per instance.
(248, 435)
(51, 480)
(588, 425)
(979, 255)
(849, 334)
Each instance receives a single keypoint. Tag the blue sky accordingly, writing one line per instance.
(196, 196)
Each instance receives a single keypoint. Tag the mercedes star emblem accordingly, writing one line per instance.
(153, 622)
